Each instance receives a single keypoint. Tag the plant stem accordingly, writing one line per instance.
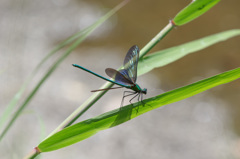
(90, 101)
(33, 153)
(82, 109)
(156, 39)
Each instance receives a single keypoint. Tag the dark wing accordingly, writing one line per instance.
(131, 62)
(120, 76)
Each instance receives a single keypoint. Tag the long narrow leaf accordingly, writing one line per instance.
(195, 9)
(87, 128)
(203, 4)
(167, 56)
(152, 61)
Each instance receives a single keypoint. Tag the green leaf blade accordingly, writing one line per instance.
(87, 128)
(195, 9)
(77, 132)
(164, 57)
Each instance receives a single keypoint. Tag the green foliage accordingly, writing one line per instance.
(87, 128)
(83, 130)
(195, 9)
(164, 57)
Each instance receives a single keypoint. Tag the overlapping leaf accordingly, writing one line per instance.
(87, 128)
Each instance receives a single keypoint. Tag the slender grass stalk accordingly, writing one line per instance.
(97, 95)
(87, 104)
(115, 117)
(94, 98)
(156, 39)
(34, 153)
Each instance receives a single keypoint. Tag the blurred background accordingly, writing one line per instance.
(203, 126)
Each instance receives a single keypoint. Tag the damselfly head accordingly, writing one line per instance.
(144, 91)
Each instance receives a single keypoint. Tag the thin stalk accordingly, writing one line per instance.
(32, 154)
(94, 98)
(82, 109)
(156, 39)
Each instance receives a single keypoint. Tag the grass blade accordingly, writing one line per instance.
(91, 100)
(87, 128)
(152, 61)
(97, 95)
(167, 56)
(195, 9)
